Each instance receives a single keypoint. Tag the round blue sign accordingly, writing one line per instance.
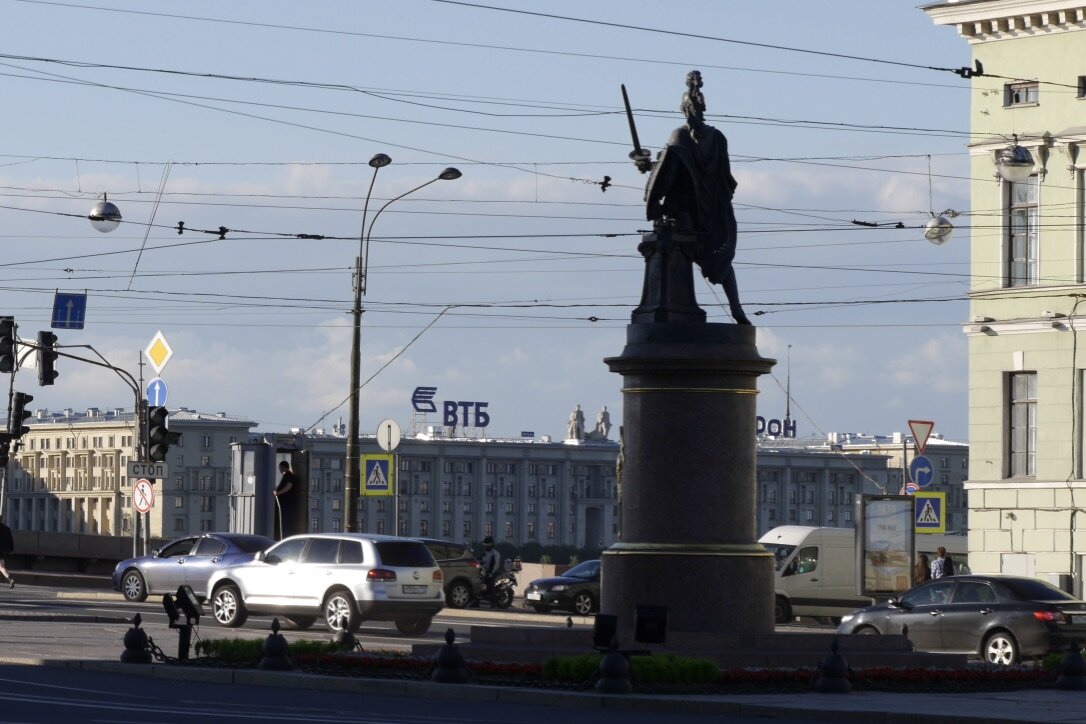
(156, 392)
(921, 471)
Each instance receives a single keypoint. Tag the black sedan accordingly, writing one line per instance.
(185, 562)
(577, 590)
(1002, 619)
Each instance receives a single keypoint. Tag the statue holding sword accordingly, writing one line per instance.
(690, 190)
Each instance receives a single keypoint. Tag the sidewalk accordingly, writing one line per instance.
(23, 640)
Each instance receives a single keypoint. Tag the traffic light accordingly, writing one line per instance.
(7, 344)
(47, 357)
(19, 401)
(159, 437)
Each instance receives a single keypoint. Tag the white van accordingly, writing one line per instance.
(816, 568)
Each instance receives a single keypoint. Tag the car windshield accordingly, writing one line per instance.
(780, 553)
(1030, 590)
(588, 569)
(250, 543)
(405, 554)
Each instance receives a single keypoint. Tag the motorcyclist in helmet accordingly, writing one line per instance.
(489, 567)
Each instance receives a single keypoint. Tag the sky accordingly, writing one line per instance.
(510, 285)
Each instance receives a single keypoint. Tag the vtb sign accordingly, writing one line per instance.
(454, 412)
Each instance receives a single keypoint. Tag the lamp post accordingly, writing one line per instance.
(352, 479)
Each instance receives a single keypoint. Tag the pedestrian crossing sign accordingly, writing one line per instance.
(377, 471)
(930, 512)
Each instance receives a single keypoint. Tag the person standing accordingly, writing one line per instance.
(7, 547)
(489, 567)
(948, 563)
(938, 566)
(923, 570)
(285, 494)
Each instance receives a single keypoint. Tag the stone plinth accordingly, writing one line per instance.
(689, 534)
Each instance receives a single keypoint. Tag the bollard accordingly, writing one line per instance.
(1072, 670)
(275, 651)
(135, 644)
(344, 638)
(833, 673)
(614, 672)
(449, 666)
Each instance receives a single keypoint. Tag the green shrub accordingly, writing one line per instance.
(655, 669)
(238, 651)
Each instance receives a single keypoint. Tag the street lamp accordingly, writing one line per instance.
(352, 480)
(105, 216)
(1014, 163)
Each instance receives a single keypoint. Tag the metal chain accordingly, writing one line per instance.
(158, 653)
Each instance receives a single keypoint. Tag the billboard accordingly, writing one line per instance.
(887, 545)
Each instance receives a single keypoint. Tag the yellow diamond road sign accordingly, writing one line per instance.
(159, 352)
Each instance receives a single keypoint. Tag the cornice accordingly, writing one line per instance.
(980, 21)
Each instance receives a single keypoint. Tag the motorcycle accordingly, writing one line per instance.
(505, 583)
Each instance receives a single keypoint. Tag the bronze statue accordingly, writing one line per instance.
(690, 189)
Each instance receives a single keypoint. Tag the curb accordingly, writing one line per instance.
(60, 617)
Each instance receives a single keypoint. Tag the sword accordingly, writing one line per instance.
(637, 152)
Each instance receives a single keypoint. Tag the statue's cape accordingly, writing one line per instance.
(694, 177)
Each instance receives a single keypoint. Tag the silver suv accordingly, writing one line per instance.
(344, 578)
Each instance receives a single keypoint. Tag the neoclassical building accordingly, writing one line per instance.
(1026, 488)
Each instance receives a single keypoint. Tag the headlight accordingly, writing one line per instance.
(848, 617)
(559, 587)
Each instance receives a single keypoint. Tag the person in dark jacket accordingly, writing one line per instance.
(7, 547)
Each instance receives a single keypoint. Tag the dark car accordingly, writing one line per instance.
(577, 590)
(186, 561)
(457, 561)
(1002, 619)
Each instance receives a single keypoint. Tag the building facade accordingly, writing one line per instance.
(70, 474)
(1026, 491)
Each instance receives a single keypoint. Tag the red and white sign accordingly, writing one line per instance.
(143, 495)
(921, 430)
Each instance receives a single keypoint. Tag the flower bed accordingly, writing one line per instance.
(660, 674)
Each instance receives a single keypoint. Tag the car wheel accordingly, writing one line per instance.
(1000, 648)
(541, 609)
(133, 586)
(340, 607)
(782, 610)
(227, 607)
(302, 622)
(459, 595)
(583, 603)
(867, 630)
(415, 626)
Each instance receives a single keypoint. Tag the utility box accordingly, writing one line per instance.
(254, 477)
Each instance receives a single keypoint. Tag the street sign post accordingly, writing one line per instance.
(921, 430)
(143, 495)
(157, 392)
(921, 471)
(152, 471)
(69, 310)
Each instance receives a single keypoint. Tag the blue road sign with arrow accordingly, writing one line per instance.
(69, 310)
(921, 471)
(156, 392)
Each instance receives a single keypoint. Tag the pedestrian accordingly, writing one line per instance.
(948, 566)
(285, 495)
(489, 567)
(7, 547)
(923, 570)
(938, 566)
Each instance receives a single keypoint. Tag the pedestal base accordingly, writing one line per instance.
(724, 591)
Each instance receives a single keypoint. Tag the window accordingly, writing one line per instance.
(207, 504)
(446, 528)
(205, 461)
(1021, 94)
(531, 530)
(467, 530)
(808, 515)
(771, 495)
(178, 525)
(551, 530)
(1082, 86)
(809, 497)
(1021, 233)
(178, 501)
(829, 516)
(424, 527)
(1022, 448)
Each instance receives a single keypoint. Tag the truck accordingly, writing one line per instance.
(815, 568)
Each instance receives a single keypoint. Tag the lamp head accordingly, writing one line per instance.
(938, 230)
(380, 160)
(450, 174)
(1014, 163)
(105, 216)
